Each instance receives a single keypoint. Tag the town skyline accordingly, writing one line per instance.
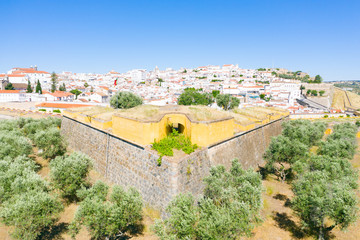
(171, 68)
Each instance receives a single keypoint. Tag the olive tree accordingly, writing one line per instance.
(282, 153)
(325, 189)
(29, 213)
(318, 196)
(31, 126)
(304, 131)
(338, 168)
(50, 142)
(192, 96)
(18, 175)
(68, 174)
(12, 144)
(124, 100)
(341, 143)
(229, 208)
(226, 101)
(337, 148)
(106, 219)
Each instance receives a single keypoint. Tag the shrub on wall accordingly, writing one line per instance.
(174, 140)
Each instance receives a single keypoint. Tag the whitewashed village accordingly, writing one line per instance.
(266, 87)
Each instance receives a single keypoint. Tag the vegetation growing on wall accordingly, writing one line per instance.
(174, 140)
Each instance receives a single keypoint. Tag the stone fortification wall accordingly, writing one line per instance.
(122, 162)
(248, 147)
(129, 164)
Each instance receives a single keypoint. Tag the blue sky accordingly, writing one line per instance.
(318, 37)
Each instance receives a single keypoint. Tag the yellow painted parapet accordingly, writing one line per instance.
(146, 132)
(244, 128)
(101, 124)
(204, 134)
(196, 123)
(69, 113)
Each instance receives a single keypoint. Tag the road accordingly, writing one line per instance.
(5, 117)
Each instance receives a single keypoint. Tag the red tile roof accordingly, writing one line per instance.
(61, 105)
(60, 94)
(12, 75)
(9, 91)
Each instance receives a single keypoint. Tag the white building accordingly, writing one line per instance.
(137, 75)
(15, 78)
(12, 96)
(31, 74)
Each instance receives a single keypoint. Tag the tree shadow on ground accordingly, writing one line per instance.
(263, 172)
(54, 232)
(284, 222)
(133, 230)
(283, 197)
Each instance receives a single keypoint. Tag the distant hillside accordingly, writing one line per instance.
(344, 99)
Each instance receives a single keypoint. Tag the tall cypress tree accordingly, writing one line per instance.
(38, 87)
(29, 89)
(62, 87)
(53, 82)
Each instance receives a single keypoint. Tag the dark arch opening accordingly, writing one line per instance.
(176, 126)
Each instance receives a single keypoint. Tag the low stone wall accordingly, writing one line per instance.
(129, 164)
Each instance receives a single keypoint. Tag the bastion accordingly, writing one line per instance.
(120, 141)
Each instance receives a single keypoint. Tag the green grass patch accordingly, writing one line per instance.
(269, 190)
(175, 140)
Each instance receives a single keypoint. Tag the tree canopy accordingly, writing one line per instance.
(319, 195)
(304, 131)
(9, 86)
(124, 100)
(227, 102)
(29, 88)
(107, 218)
(229, 208)
(326, 184)
(38, 88)
(53, 82)
(68, 174)
(281, 151)
(76, 92)
(192, 96)
(62, 87)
